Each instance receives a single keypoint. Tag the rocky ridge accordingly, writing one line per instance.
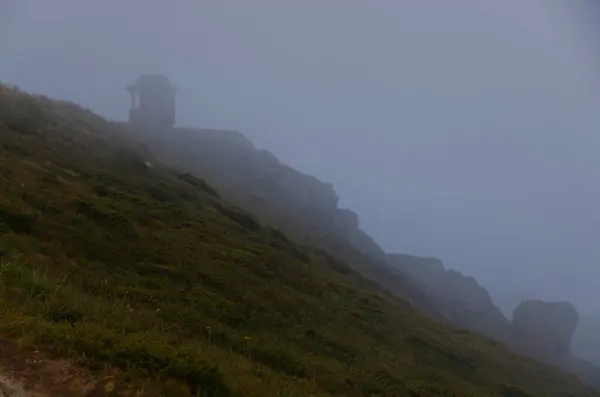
(545, 329)
(307, 209)
(463, 301)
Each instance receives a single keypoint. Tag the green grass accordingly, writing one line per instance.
(147, 271)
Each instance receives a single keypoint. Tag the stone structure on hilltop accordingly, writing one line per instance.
(152, 101)
(544, 330)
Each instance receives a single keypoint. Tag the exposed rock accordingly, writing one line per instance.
(306, 209)
(429, 271)
(346, 220)
(544, 330)
(303, 207)
(229, 161)
(461, 299)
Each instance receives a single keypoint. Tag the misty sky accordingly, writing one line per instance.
(464, 129)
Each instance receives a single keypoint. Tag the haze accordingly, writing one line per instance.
(463, 129)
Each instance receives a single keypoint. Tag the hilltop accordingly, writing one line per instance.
(112, 259)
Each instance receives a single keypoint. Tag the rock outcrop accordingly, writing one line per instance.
(300, 205)
(257, 180)
(544, 330)
(306, 209)
(461, 299)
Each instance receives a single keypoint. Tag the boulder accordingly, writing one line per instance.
(544, 330)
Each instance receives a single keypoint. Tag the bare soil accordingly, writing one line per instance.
(28, 373)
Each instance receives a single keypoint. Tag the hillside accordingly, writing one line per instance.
(109, 258)
(467, 303)
(307, 210)
(300, 205)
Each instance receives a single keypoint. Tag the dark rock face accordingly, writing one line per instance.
(544, 330)
(461, 299)
(429, 271)
(261, 183)
(346, 220)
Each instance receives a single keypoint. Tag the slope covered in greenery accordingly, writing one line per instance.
(108, 257)
(308, 211)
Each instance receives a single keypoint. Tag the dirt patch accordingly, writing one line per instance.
(28, 373)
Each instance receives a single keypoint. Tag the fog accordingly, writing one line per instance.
(463, 129)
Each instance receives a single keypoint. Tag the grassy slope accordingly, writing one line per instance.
(148, 271)
(229, 161)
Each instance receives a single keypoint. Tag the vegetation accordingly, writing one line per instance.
(110, 258)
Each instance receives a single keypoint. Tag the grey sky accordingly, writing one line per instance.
(465, 129)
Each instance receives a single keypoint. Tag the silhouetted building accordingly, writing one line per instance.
(152, 101)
